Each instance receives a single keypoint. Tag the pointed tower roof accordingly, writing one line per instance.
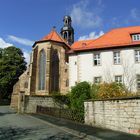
(53, 36)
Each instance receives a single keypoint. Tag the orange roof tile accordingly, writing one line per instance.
(81, 44)
(54, 36)
(115, 38)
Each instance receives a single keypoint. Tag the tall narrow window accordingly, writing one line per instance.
(117, 58)
(65, 35)
(137, 55)
(96, 58)
(55, 73)
(42, 70)
(138, 82)
(67, 82)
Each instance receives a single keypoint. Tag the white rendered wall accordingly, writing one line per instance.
(84, 69)
(72, 70)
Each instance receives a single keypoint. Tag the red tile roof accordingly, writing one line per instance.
(115, 38)
(81, 44)
(54, 36)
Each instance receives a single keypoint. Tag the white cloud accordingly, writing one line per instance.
(134, 13)
(132, 17)
(4, 44)
(82, 16)
(91, 35)
(22, 41)
(99, 2)
(27, 56)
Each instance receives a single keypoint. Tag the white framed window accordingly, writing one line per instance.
(138, 81)
(137, 55)
(97, 80)
(136, 37)
(97, 59)
(117, 57)
(118, 79)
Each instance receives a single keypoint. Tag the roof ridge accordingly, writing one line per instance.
(112, 38)
(84, 40)
(128, 27)
(54, 36)
(101, 36)
(52, 33)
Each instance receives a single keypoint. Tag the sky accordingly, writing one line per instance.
(22, 22)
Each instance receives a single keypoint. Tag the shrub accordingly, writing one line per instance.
(109, 90)
(94, 91)
(78, 95)
(59, 98)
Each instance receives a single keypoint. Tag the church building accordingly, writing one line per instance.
(49, 62)
(58, 63)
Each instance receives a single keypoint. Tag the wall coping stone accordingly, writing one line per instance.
(114, 99)
(38, 95)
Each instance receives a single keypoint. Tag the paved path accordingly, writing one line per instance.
(42, 127)
(24, 127)
(87, 132)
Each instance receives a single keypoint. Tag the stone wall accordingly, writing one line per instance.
(15, 95)
(116, 114)
(31, 102)
(20, 87)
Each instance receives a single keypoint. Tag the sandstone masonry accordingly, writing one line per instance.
(31, 102)
(118, 114)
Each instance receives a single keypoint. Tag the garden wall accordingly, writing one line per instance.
(29, 104)
(116, 114)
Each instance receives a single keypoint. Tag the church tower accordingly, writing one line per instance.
(67, 32)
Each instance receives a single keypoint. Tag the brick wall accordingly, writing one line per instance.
(117, 114)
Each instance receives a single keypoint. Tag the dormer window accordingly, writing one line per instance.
(136, 37)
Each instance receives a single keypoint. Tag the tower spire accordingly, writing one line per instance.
(67, 32)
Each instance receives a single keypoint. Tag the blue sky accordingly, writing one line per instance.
(24, 21)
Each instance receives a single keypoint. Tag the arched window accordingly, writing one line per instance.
(54, 71)
(65, 35)
(42, 70)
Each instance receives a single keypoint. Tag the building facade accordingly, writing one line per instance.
(58, 63)
(114, 57)
(48, 70)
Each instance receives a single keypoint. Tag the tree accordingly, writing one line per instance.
(12, 65)
(129, 75)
